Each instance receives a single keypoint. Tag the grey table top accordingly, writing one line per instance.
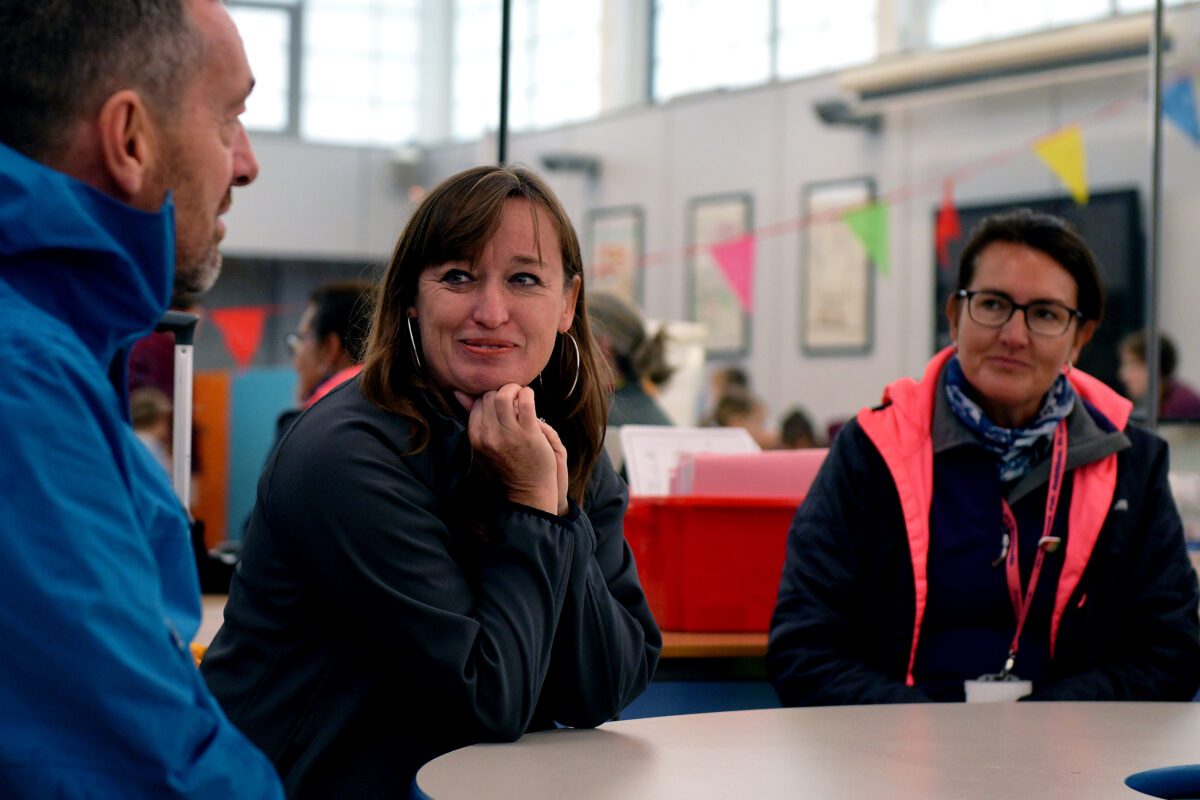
(1014, 751)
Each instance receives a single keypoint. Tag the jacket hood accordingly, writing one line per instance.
(103, 268)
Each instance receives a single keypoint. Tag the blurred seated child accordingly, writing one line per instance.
(741, 409)
(1176, 400)
(150, 412)
(796, 431)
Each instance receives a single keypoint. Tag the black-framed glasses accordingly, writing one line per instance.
(995, 309)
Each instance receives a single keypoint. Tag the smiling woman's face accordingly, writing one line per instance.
(1010, 367)
(491, 323)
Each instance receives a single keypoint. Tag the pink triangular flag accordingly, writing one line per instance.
(242, 329)
(736, 259)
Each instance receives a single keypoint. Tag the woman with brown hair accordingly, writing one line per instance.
(999, 528)
(436, 556)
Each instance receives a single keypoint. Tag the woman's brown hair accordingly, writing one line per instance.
(453, 223)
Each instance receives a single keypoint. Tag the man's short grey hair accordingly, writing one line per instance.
(61, 59)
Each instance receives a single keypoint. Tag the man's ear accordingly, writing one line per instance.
(129, 144)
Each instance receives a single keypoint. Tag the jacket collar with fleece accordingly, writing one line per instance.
(100, 267)
(901, 430)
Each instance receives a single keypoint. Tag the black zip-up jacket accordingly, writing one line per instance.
(843, 627)
(367, 633)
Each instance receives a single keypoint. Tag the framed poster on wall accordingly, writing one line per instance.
(837, 284)
(711, 298)
(615, 249)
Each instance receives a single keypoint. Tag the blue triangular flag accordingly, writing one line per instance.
(1179, 105)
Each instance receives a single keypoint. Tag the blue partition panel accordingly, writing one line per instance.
(257, 398)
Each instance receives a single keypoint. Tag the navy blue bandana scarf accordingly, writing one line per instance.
(1017, 448)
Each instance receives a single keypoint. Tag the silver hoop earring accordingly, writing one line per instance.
(578, 364)
(413, 340)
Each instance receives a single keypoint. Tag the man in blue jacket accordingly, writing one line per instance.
(119, 144)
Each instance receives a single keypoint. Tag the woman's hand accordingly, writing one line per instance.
(524, 452)
(560, 459)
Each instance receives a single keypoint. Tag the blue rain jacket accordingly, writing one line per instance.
(99, 695)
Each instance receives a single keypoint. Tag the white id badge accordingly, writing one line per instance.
(992, 689)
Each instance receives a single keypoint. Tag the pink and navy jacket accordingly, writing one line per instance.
(1121, 622)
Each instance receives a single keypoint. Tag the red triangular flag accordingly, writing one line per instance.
(242, 330)
(736, 259)
(948, 227)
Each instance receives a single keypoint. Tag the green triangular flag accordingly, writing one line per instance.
(870, 225)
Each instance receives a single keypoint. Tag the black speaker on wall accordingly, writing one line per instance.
(1111, 225)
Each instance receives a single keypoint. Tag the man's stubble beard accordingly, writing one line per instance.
(195, 273)
(198, 277)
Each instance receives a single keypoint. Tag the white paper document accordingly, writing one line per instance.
(652, 451)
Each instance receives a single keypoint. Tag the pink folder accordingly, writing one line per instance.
(773, 473)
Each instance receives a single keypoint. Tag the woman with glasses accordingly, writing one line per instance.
(327, 347)
(998, 528)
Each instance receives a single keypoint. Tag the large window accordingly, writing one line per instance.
(386, 72)
(361, 71)
(711, 44)
(554, 75)
(267, 33)
(816, 37)
(952, 23)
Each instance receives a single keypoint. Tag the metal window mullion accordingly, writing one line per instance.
(297, 14)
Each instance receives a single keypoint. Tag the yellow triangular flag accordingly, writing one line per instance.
(1063, 153)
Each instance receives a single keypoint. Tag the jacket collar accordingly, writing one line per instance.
(1094, 427)
(101, 267)
(916, 400)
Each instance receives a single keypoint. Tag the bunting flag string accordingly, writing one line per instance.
(735, 257)
(870, 224)
(241, 327)
(1061, 149)
(1063, 152)
(948, 227)
(1179, 106)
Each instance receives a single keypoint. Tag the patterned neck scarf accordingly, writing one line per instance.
(1017, 449)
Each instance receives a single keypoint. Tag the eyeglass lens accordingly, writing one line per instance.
(994, 310)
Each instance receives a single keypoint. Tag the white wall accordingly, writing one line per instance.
(768, 142)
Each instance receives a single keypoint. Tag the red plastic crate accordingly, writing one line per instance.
(710, 563)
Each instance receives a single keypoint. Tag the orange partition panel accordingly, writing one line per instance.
(211, 482)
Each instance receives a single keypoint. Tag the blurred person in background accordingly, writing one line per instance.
(329, 343)
(639, 361)
(720, 382)
(150, 414)
(796, 431)
(739, 408)
(1176, 400)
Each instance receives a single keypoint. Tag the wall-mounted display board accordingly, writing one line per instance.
(615, 242)
(711, 299)
(1111, 224)
(837, 285)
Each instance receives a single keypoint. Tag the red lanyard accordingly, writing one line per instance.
(1047, 544)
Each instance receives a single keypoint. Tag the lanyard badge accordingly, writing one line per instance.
(1005, 685)
(1048, 543)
